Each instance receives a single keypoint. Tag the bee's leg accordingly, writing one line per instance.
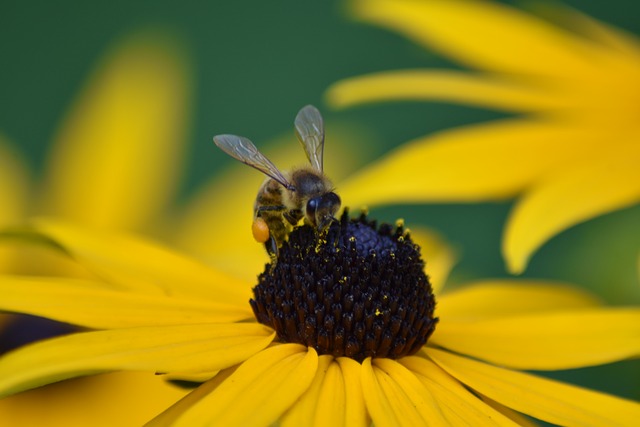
(271, 246)
(293, 216)
(272, 215)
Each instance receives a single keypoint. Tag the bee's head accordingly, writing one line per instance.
(321, 210)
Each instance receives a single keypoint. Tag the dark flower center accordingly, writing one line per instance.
(359, 292)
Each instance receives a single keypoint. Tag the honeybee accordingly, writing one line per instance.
(287, 197)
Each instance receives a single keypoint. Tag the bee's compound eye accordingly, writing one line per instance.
(331, 203)
(260, 230)
(312, 207)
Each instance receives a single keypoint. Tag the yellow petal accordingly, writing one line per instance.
(185, 348)
(452, 86)
(544, 399)
(171, 414)
(395, 397)
(575, 194)
(506, 297)
(439, 257)
(14, 191)
(115, 399)
(609, 36)
(305, 411)
(459, 406)
(262, 388)
(355, 413)
(333, 399)
(14, 184)
(503, 39)
(517, 417)
(93, 305)
(116, 157)
(141, 266)
(480, 162)
(217, 224)
(547, 341)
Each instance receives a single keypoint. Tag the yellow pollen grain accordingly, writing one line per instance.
(321, 241)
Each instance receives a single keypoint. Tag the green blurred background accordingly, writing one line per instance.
(255, 64)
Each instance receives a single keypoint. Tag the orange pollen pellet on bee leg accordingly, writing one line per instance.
(260, 230)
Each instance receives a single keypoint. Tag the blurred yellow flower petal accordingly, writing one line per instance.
(544, 399)
(458, 405)
(186, 348)
(568, 198)
(142, 266)
(472, 163)
(572, 159)
(394, 396)
(507, 297)
(14, 189)
(605, 34)
(102, 401)
(114, 162)
(258, 392)
(484, 34)
(74, 301)
(440, 257)
(423, 85)
(578, 338)
(217, 231)
(14, 184)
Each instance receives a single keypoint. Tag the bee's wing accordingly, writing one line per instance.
(310, 132)
(242, 149)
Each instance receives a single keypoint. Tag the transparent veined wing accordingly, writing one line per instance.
(242, 149)
(310, 131)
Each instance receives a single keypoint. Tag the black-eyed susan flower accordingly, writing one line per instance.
(339, 334)
(570, 154)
